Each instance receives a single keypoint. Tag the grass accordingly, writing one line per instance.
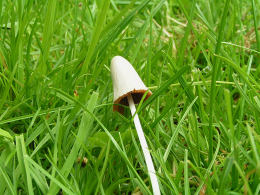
(58, 133)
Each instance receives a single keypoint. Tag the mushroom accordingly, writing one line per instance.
(128, 91)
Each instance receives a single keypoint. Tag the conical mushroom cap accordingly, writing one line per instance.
(126, 81)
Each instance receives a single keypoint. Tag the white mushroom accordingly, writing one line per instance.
(129, 90)
(126, 81)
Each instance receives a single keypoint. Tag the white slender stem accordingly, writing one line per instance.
(147, 155)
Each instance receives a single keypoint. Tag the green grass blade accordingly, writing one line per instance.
(23, 165)
(215, 71)
(164, 87)
(48, 31)
(6, 134)
(209, 167)
(186, 177)
(226, 171)
(169, 147)
(101, 17)
(7, 180)
(83, 132)
(29, 160)
(254, 8)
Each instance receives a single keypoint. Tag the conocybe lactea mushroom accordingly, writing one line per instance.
(129, 90)
(126, 81)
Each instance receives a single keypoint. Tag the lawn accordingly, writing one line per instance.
(58, 131)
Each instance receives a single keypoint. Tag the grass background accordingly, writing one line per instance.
(58, 133)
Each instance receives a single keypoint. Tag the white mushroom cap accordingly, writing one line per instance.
(126, 81)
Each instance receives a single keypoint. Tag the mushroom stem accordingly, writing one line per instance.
(147, 155)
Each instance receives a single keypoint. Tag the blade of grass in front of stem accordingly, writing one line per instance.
(144, 146)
